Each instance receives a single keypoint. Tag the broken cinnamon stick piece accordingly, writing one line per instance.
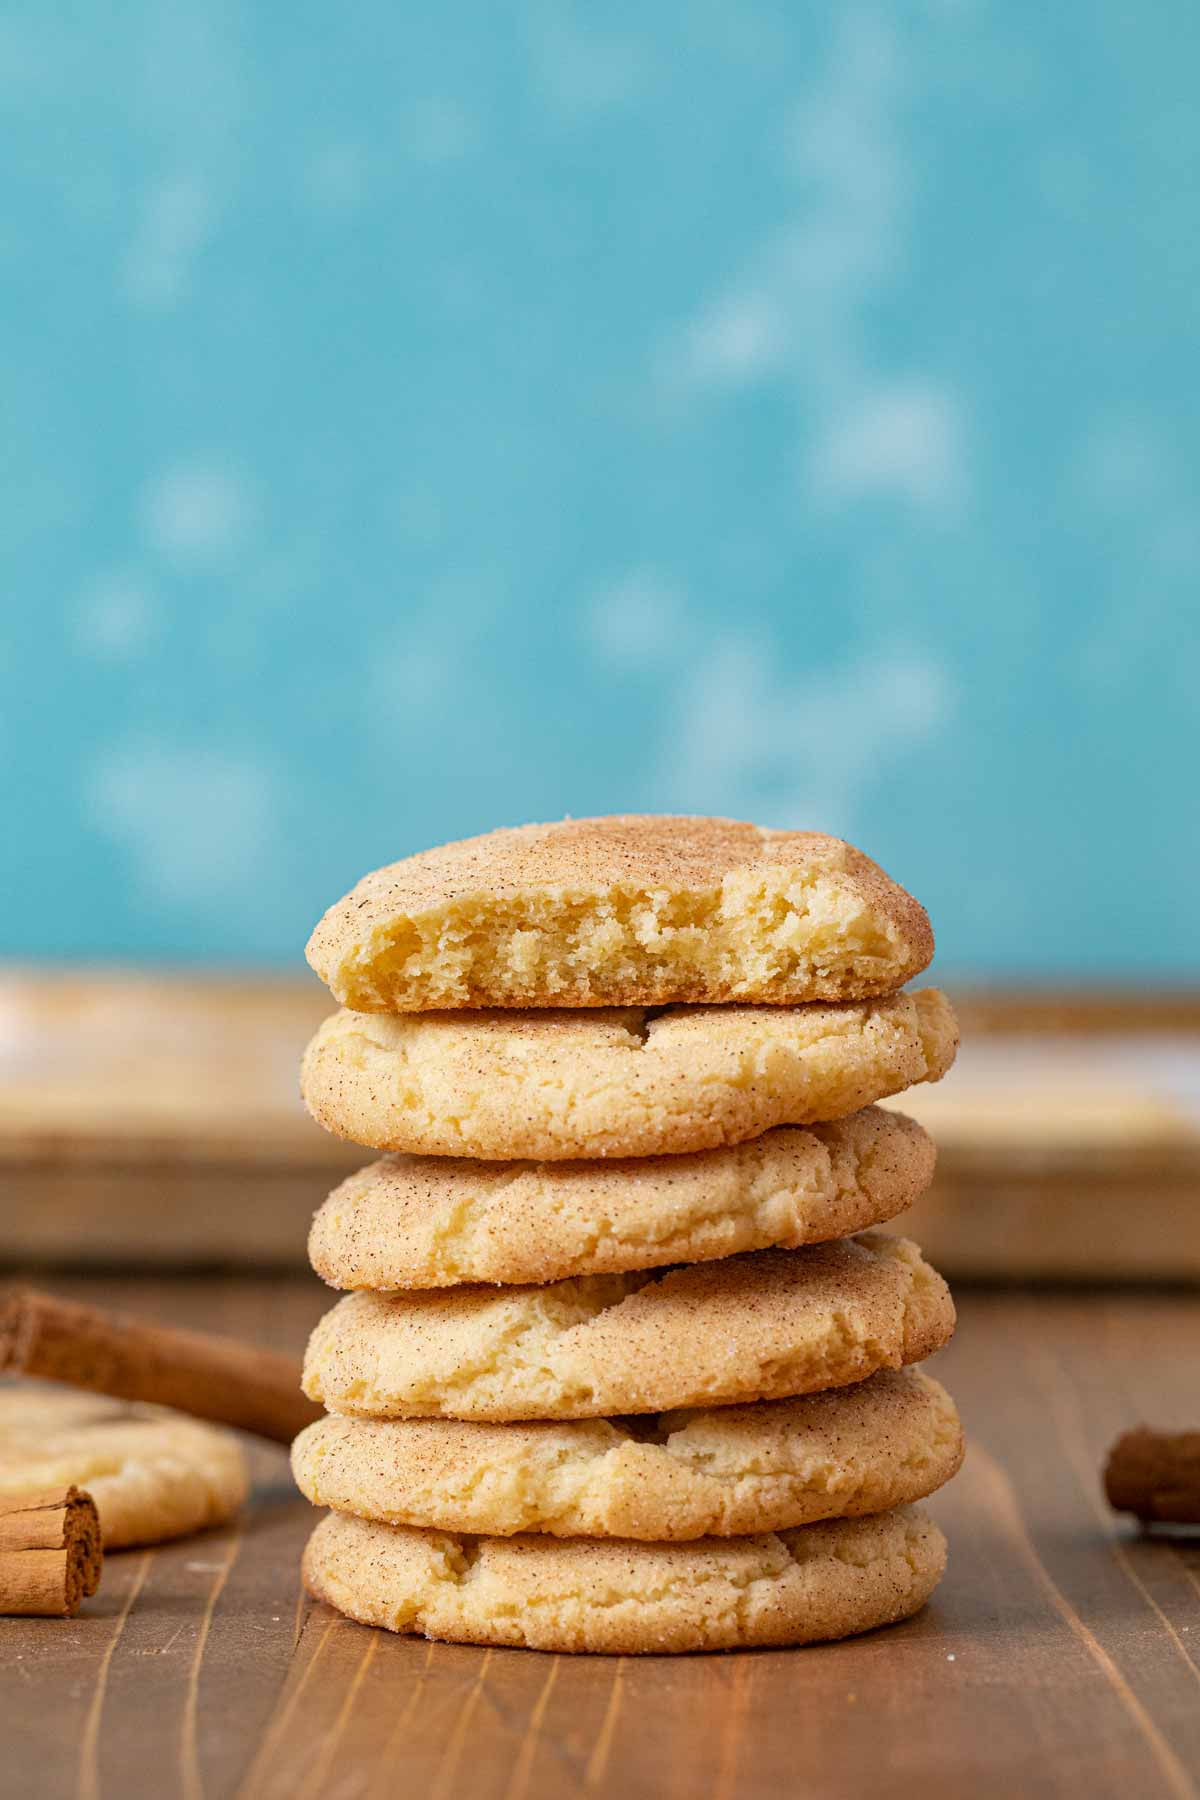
(1156, 1476)
(50, 1554)
(113, 1353)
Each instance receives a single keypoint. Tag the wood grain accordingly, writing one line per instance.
(1060, 1657)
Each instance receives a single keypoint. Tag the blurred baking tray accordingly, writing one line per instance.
(154, 1120)
(1068, 1138)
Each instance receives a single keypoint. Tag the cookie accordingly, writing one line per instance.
(792, 1587)
(638, 911)
(757, 1327)
(728, 1471)
(560, 1085)
(152, 1473)
(426, 1221)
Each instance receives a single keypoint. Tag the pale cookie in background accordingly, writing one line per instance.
(728, 1471)
(153, 1474)
(425, 1221)
(795, 1587)
(625, 911)
(561, 1085)
(757, 1327)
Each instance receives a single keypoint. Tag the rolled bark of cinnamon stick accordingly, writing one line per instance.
(1156, 1476)
(50, 1553)
(113, 1353)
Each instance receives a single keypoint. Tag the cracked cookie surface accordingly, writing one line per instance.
(761, 1326)
(794, 1587)
(721, 1472)
(554, 1086)
(154, 1474)
(424, 1221)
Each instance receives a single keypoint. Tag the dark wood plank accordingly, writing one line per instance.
(1061, 1656)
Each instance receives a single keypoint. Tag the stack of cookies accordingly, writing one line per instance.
(616, 1372)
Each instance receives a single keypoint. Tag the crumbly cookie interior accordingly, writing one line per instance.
(796, 934)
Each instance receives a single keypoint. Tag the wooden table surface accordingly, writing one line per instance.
(1061, 1655)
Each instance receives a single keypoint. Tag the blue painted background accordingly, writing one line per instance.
(418, 418)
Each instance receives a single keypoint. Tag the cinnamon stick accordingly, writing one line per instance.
(113, 1353)
(1156, 1476)
(50, 1554)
